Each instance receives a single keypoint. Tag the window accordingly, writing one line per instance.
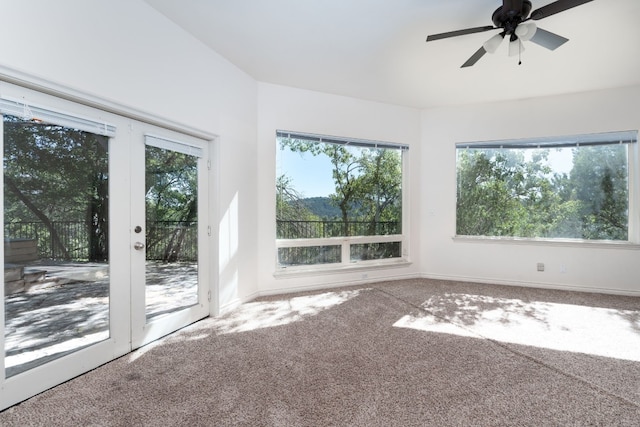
(569, 188)
(338, 201)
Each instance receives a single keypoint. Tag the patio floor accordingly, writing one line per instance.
(61, 316)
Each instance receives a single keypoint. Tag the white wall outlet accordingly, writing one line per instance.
(540, 266)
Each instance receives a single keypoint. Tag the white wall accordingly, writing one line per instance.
(583, 268)
(125, 51)
(299, 110)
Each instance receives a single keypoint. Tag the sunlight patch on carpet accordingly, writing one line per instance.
(266, 314)
(598, 331)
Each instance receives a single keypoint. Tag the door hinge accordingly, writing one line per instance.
(209, 164)
(208, 230)
(209, 296)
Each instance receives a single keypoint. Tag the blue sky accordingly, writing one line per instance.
(311, 175)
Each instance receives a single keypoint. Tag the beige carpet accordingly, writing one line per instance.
(405, 353)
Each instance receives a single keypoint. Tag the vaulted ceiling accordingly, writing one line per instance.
(376, 49)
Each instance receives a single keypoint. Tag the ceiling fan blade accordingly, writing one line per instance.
(548, 39)
(474, 58)
(556, 7)
(514, 5)
(459, 33)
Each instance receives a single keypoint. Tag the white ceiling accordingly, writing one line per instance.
(376, 49)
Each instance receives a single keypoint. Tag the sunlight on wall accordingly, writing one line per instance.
(228, 252)
(265, 314)
(228, 234)
(592, 330)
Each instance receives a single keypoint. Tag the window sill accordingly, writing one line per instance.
(575, 243)
(316, 270)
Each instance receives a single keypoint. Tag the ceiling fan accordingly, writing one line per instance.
(513, 19)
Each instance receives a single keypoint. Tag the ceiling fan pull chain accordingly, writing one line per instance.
(519, 52)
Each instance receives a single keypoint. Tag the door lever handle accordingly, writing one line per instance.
(138, 246)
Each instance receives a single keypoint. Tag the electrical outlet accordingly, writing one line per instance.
(540, 266)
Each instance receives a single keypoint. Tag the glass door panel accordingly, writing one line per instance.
(169, 238)
(171, 208)
(56, 241)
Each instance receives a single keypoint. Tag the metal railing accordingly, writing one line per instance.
(165, 240)
(173, 240)
(320, 229)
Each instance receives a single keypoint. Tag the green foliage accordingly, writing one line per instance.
(171, 199)
(53, 173)
(599, 178)
(321, 207)
(367, 181)
(171, 185)
(507, 193)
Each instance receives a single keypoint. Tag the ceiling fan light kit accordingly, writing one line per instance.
(513, 18)
(493, 43)
(526, 31)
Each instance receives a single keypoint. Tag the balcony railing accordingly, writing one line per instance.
(177, 241)
(72, 240)
(325, 228)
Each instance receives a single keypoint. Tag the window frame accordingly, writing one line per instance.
(345, 242)
(628, 138)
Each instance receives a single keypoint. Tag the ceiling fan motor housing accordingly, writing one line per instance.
(510, 14)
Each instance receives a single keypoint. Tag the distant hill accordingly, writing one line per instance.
(322, 207)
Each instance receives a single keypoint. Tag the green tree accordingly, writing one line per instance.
(501, 193)
(171, 196)
(52, 174)
(367, 181)
(290, 210)
(600, 183)
(504, 192)
(381, 188)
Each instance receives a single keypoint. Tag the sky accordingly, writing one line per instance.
(311, 175)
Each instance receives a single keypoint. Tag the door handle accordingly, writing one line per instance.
(138, 246)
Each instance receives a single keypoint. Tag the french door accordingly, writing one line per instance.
(106, 238)
(170, 234)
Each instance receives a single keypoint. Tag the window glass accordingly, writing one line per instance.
(566, 191)
(337, 188)
(56, 237)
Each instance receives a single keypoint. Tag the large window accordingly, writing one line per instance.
(564, 188)
(338, 201)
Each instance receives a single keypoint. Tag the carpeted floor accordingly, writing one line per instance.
(404, 353)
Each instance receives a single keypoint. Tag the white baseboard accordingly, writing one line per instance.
(231, 305)
(328, 286)
(556, 286)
